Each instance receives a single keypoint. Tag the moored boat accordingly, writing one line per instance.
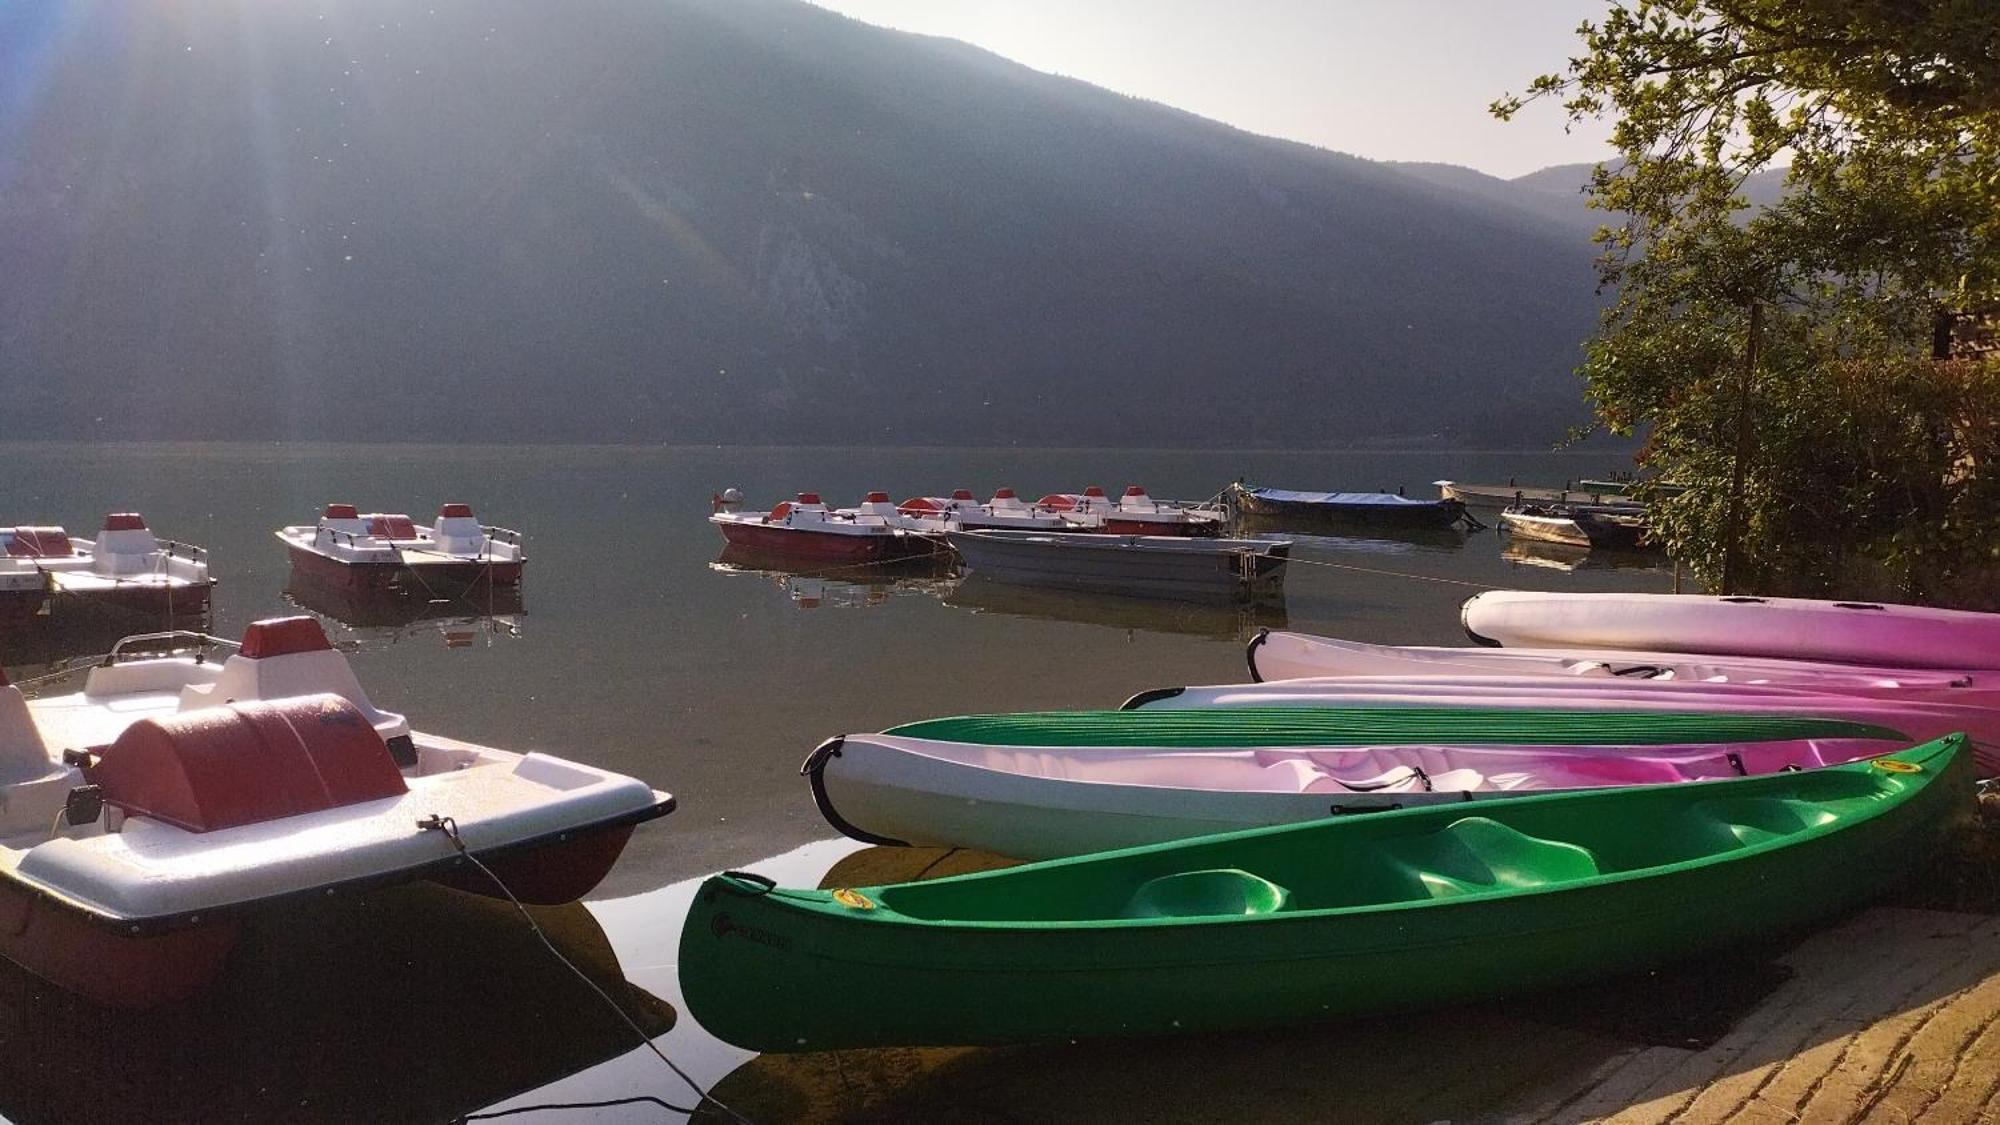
(1313, 922)
(1133, 513)
(385, 551)
(804, 527)
(1542, 523)
(146, 815)
(1041, 786)
(1502, 495)
(1133, 565)
(1787, 628)
(1004, 512)
(126, 568)
(1371, 509)
(1605, 526)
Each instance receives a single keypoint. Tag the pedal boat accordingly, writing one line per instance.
(125, 569)
(805, 528)
(1133, 513)
(147, 815)
(378, 552)
(935, 515)
(1068, 783)
(1306, 923)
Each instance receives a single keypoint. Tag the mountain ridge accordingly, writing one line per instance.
(694, 221)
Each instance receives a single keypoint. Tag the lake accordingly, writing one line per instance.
(634, 649)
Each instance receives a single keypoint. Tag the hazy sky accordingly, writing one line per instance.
(1385, 79)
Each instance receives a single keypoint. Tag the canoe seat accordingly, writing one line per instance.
(1724, 824)
(1222, 890)
(1475, 854)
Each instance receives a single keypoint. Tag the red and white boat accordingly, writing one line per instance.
(805, 528)
(125, 568)
(1134, 513)
(936, 515)
(145, 816)
(350, 550)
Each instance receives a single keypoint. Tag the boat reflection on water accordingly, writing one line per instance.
(811, 583)
(42, 643)
(413, 1003)
(390, 617)
(1565, 556)
(1207, 619)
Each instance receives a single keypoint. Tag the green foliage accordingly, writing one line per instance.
(1867, 466)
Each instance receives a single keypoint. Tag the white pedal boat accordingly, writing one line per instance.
(1875, 633)
(1042, 802)
(1277, 655)
(352, 550)
(1917, 719)
(1133, 513)
(145, 815)
(935, 515)
(805, 528)
(125, 568)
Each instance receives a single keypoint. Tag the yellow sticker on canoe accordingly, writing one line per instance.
(1894, 765)
(853, 900)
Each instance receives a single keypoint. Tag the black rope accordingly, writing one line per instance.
(449, 827)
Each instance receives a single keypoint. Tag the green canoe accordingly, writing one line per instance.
(1314, 921)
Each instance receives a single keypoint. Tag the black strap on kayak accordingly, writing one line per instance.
(760, 885)
(1736, 763)
(1250, 654)
(1372, 786)
(1641, 671)
(1354, 810)
(814, 770)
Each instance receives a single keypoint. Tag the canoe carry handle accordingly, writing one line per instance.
(758, 884)
(816, 761)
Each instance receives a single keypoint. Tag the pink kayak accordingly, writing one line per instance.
(1040, 802)
(1903, 636)
(1288, 656)
(1920, 720)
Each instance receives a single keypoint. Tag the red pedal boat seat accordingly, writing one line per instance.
(40, 543)
(244, 763)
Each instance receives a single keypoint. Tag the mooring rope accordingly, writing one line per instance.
(449, 828)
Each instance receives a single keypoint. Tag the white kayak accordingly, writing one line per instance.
(1279, 655)
(1042, 802)
(1917, 719)
(1903, 636)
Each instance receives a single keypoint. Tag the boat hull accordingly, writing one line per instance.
(806, 543)
(1544, 529)
(378, 577)
(1075, 948)
(1787, 628)
(1132, 566)
(90, 958)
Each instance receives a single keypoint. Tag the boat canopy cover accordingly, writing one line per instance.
(1341, 499)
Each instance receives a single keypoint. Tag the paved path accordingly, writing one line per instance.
(1893, 1016)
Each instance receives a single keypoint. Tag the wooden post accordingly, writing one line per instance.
(1732, 543)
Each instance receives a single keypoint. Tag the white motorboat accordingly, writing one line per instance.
(805, 528)
(1134, 513)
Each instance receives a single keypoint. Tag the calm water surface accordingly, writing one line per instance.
(633, 648)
